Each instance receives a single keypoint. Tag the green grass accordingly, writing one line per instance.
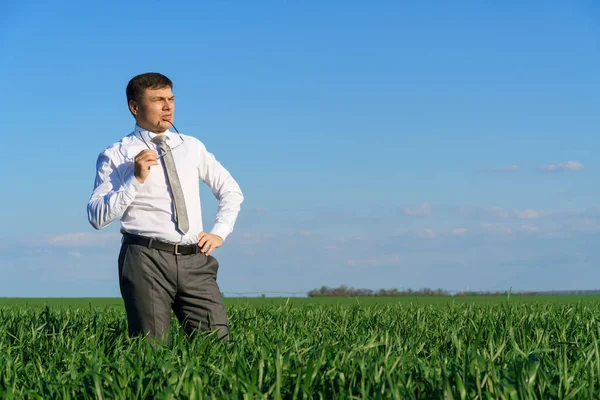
(310, 348)
(300, 301)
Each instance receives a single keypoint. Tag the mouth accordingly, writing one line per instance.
(166, 117)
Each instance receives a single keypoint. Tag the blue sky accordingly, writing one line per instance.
(379, 144)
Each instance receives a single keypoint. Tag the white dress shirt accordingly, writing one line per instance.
(147, 208)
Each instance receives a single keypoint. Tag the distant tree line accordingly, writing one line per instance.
(345, 291)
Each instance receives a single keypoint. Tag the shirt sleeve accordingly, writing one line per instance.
(224, 188)
(111, 195)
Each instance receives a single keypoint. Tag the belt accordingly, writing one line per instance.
(176, 249)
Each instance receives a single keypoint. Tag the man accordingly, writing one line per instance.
(150, 181)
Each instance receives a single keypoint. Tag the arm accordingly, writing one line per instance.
(112, 194)
(224, 188)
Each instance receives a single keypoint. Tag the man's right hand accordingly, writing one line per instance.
(143, 161)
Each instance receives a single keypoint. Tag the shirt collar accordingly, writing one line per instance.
(147, 136)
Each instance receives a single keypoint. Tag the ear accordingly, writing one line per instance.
(133, 107)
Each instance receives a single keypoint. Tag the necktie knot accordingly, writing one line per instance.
(159, 139)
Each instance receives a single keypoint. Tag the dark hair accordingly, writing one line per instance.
(148, 80)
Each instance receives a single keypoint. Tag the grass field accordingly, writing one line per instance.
(399, 348)
(301, 301)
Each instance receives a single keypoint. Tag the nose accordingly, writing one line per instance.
(166, 105)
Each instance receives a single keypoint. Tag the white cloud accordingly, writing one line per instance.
(426, 233)
(592, 212)
(508, 230)
(421, 211)
(497, 228)
(306, 233)
(479, 212)
(255, 235)
(566, 166)
(459, 231)
(587, 225)
(82, 239)
(251, 238)
(529, 228)
(499, 213)
(528, 214)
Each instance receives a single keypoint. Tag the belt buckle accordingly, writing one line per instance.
(177, 253)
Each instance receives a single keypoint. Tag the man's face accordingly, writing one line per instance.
(155, 108)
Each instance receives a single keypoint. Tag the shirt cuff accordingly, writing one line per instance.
(132, 186)
(221, 230)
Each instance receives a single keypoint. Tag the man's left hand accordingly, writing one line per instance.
(208, 242)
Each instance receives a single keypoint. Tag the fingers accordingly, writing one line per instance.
(207, 247)
(147, 158)
(202, 242)
(208, 242)
(146, 155)
(148, 164)
(146, 151)
(210, 246)
(202, 238)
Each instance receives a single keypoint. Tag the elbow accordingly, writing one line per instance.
(240, 194)
(239, 198)
(94, 218)
(232, 194)
(96, 225)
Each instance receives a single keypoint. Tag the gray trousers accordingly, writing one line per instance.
(154, 282)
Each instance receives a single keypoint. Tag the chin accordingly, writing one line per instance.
(163, 126)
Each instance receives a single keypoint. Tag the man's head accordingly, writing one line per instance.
(151, 101)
